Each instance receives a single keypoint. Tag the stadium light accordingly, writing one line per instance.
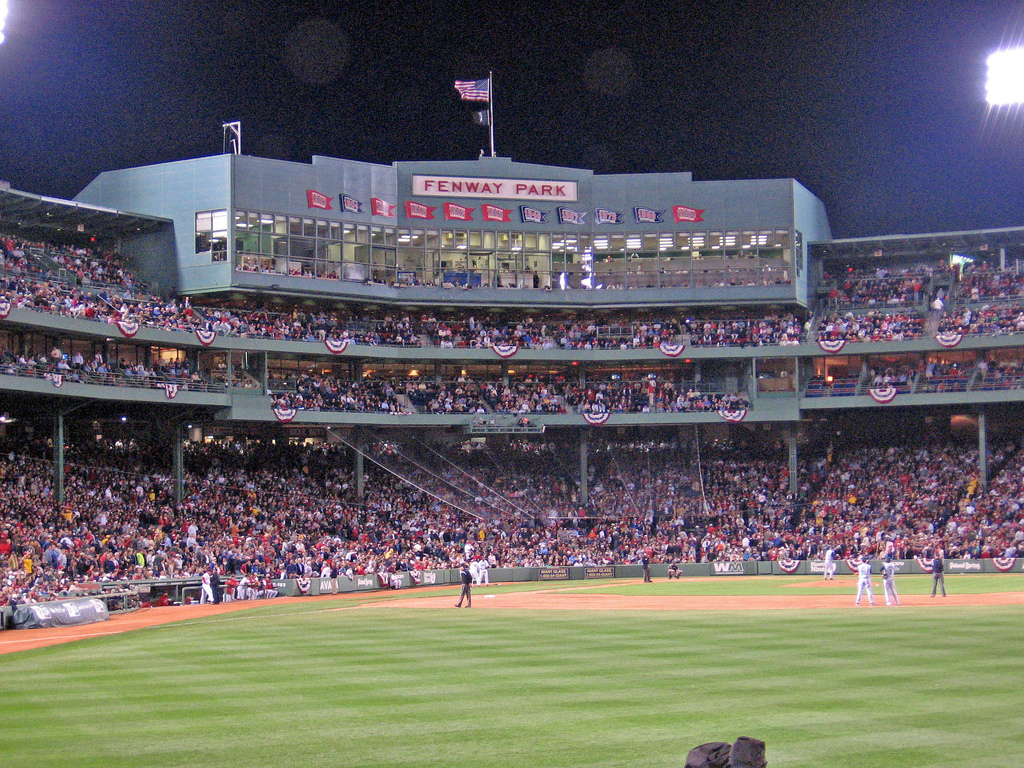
(3, 20)
(1005, 84)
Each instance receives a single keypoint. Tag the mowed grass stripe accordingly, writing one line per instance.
(525, 688)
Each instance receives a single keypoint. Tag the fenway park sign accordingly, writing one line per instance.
(507, 189)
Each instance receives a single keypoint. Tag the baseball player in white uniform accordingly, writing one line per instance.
(482, 571)
(474, 570)
(206, 588)
(864, 581)
(830, 564)
(889, 583)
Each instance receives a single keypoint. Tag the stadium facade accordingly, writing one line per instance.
(506, 243)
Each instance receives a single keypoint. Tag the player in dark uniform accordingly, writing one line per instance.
(467, 587)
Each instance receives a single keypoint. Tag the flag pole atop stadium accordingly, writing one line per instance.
(480, 90)
(490, 109)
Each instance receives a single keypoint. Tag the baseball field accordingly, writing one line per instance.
(564, 675)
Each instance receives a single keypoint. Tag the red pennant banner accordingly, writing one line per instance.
(414, 210)
(494, 213)
(319, 200)
(685, 213)
(456, 212)
(382, 207)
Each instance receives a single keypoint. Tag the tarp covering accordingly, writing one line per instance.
(65, 613)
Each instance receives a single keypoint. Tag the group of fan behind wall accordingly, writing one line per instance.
(280, 510)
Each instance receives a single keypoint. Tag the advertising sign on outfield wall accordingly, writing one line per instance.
(559, 573)
(728, 569)
(599, 572)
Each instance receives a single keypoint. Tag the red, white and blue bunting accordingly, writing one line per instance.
(1004, 564)
(884, 394)
(788, 565)
(336, 346)
(127, 327)
(5, 309)
(949, 339)
(284, 415)
(831, 345)
(672, 350)
(925, 563)
(734, 415)
(595, 419)
(205, 337)
(852, 564)
(505, 351)
(57, 379)
(171, 390)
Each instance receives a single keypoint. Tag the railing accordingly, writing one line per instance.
(109, 379)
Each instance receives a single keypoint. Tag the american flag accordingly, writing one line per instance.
(474, 90)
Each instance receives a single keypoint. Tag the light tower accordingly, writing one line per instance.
(1005, 83)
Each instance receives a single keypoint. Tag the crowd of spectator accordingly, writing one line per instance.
(267, 510)
(874, 325)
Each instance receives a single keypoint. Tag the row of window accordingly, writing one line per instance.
(281, 235)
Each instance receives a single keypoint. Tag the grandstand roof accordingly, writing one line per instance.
(922, 245)
(30, 211)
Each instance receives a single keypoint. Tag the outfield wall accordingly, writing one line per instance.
(178, 590)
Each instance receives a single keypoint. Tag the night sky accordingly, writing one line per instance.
(877, 106)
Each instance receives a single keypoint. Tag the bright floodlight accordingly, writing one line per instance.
(3, 19)
(1005, 77)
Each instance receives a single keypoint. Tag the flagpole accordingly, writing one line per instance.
(490, 108)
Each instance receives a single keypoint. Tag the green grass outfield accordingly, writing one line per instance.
(304, 685)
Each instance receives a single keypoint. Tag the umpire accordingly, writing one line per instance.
(938, 581)
(467, 587)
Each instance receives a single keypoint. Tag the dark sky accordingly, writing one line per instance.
(877, 106)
